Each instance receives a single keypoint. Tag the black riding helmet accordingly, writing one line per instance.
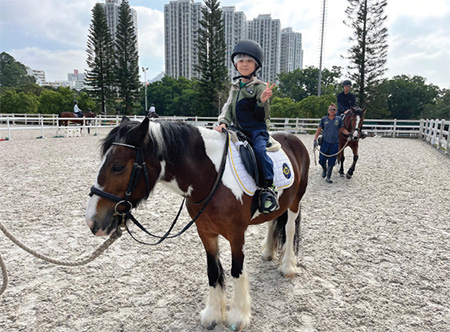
(347, 82)
(251, 48)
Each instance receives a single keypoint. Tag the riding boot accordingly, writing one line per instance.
(324, 173)
(328, 179)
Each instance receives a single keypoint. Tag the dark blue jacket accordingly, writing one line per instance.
(345, 101)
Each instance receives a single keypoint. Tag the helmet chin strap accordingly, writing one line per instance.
(242, 76)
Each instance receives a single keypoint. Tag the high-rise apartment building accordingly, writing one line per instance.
(181, 23)
(267, 32)
(291, 57)
(235, 30)
(112, 16)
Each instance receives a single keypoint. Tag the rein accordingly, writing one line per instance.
(126, 215)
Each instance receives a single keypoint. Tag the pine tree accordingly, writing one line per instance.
(369, 53)
(211, 60)
(127, 66)
(100, 59)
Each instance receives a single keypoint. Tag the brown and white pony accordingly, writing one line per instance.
(188, 160)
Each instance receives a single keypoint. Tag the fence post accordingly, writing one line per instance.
(9, 128)
(394, 132)
(421, 128)
(441, 134)
(42, 126)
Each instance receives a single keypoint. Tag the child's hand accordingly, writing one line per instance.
(267, 93)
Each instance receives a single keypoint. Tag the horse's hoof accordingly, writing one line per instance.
(341, 175)
(235, 327)
(348, 176)
(211, 326)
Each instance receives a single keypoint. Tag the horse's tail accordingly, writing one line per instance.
(279, 230)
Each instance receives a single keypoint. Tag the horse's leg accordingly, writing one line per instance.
(341, 167)
(269, 244)
(289, 260)
(240, 312)
(355, 159)
(216, 302)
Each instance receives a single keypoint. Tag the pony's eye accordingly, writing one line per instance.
(117, 168)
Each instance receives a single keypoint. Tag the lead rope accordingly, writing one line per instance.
(328, 155)
(105, 245)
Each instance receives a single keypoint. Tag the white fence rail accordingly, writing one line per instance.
(436, 132)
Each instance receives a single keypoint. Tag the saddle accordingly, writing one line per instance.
(248, 155)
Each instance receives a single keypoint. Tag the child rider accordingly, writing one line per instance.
(247, 108)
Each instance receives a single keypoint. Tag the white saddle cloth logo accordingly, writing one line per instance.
(282, 168)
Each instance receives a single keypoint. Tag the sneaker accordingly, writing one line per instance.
(268, 199)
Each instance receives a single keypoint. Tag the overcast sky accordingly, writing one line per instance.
(52, 34)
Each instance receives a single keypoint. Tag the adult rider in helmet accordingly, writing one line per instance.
(247, 109)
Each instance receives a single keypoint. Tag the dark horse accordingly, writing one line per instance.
(189, 160)
(63, 119)
(353, 122)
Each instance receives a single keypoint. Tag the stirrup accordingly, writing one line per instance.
(268, 201)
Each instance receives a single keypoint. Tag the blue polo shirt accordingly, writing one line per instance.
(330, 129)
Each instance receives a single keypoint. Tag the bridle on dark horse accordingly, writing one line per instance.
(139, 167)
(359, 127)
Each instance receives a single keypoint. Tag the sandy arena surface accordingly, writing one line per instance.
(374, 254)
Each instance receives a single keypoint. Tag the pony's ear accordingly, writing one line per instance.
(140, 132)
(125, 120)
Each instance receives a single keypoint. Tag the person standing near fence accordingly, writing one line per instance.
(329, 126)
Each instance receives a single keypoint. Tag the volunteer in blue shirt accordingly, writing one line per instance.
(329, 126)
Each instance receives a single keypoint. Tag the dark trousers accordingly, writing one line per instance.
(259, 139)
(328, 149)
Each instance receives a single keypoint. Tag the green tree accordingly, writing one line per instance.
(368, 55)
(100, 59)
(18, 102)
(284, 108)
(442, 108)
(174, 96)
(12, 72)
(315, 106)
(55, 102)
(211, 60)
(409, 97)
(127, 69)
(302, 83)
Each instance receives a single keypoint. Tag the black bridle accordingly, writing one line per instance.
(353, 129)
(139, 166)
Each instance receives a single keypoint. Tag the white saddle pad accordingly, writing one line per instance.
(282, 168)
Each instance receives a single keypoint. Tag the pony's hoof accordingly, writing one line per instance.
(341, 175)
(211, 326)
(235, 327)
(348, 176)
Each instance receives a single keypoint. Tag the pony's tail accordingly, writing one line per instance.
(279, 231)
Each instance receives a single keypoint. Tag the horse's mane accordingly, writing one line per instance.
(166, 140)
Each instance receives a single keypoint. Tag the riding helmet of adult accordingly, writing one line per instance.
(250, 48)
(347, 82)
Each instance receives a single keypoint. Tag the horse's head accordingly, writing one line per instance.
(354, 121)
(125, 178)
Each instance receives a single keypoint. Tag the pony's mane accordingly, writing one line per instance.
(165, 141)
